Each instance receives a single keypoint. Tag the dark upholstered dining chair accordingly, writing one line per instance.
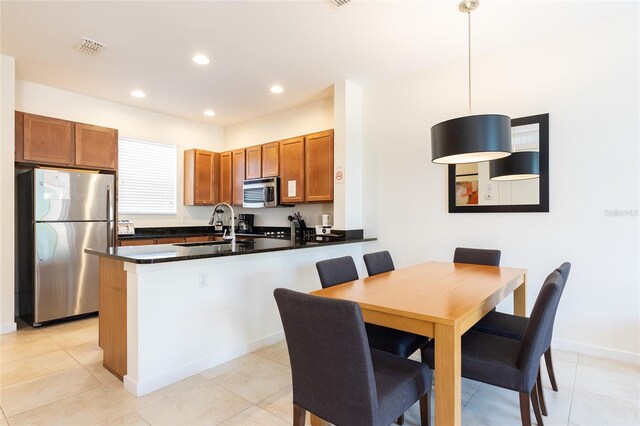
(513, 327)
(336, 375)
(343, 269)
(509, 363)
(378, 262)
(477, 256)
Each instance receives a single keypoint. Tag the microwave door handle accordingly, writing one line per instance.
(265, 195)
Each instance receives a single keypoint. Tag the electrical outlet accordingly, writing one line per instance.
(203, 279)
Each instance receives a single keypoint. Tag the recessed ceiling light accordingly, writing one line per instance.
(200, 59)
(277, 89)
(209, 113)
(138, 94)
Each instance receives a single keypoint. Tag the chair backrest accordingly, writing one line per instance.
(330, 357)
(378, 262)
(539, 327)
(563, 270)
(336, 271)
(477, 256)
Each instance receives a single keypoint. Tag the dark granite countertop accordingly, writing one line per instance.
(160, 253)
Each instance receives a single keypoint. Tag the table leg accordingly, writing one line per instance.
(448, 380)
(317, 421)
(520, 298)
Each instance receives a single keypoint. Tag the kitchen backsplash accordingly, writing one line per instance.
(276, 216)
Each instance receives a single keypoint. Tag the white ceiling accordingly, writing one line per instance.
(303, 45)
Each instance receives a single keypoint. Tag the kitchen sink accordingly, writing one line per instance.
(213, 243)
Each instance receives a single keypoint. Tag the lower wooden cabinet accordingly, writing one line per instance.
(112, 327)
(142, 242)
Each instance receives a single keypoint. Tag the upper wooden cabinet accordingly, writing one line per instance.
(44, 140)
(201, 177)
(226, 178)
(51, 141)
(254, 162)
(238, 175)
(292, 170)
(270, 159)
(96, 146)
(318, 153)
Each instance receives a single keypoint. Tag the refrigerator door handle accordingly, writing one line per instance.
(110, 236)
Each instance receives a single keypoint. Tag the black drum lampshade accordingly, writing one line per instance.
(518, 166)
(471, 139)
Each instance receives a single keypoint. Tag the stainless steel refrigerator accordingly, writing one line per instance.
(60, 213)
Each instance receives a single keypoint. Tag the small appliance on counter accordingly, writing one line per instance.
(218, 226)
(325, 228)
(245, 223)
(125, 227)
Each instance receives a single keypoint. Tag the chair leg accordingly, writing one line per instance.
(400, 420)
(552, 375)
(425, 409)
(543, 404)
(299, 415)
(525, 411)
(536, 405)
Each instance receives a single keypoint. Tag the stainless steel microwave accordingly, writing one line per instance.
(262, 192)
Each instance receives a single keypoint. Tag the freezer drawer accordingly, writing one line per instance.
(66, 278)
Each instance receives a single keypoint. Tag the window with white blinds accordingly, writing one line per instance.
(146, 177)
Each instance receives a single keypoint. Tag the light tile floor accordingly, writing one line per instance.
(54, 376)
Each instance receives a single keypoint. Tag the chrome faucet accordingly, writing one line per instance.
(232, 234)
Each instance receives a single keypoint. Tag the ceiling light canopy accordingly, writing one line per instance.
(518, 166)
(473, 138)
(138, 94)
(209, 113)
(200, 59)
(276, 89)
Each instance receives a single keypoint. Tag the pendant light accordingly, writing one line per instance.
(518, 166)
(473, 138)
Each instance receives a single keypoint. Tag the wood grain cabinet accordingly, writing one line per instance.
(253, 167)
(51, 141)
(226, 178)
(96, 146)
(271, 159)
(238, 158)
(201, 177)
(292, 179)
(44, 140)
(318, 152)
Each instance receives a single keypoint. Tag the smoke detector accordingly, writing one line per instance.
(340, 2)
(90, 47)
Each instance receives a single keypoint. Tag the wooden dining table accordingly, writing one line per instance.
(440, 300)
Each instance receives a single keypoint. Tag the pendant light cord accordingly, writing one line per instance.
(469, 35)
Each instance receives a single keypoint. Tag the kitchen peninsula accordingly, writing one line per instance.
(169, 311)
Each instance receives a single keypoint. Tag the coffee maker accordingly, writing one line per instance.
(245, 223)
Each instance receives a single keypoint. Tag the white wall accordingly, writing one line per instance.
(587, 81)
(309, 118)
(131, 122)
(7, 252)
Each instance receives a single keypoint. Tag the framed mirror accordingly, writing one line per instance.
(500, 186)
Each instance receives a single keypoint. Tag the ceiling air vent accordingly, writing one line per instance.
(90, 47)
(340, 2)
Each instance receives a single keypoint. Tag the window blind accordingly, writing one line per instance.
(146, 177)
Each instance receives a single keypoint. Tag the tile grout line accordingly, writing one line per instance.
(573, 389)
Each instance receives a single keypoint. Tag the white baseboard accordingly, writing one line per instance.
(143, 387)
(8, 328)
(598, 351)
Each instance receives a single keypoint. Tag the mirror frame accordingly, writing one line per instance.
(543, 206)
